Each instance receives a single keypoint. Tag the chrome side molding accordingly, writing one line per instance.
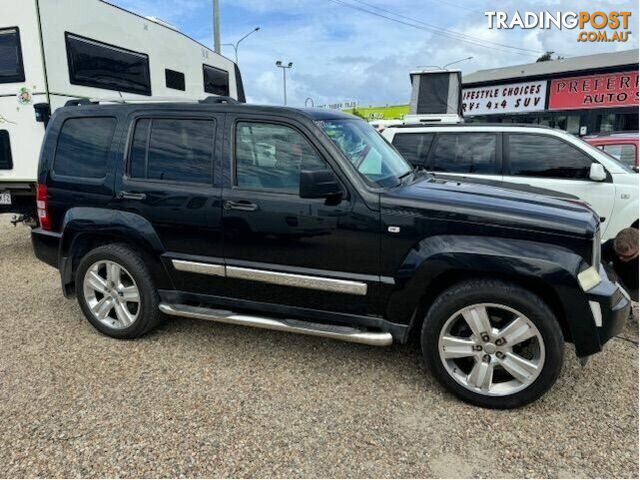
(325, 284)
(346, 334)
(296, 280)
(198, 267)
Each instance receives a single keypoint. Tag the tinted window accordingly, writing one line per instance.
(544, 156)
(95, 64)
(6, 162)
(216, 81)
(465, 153)
(83, 147)
(271, 156)
(179, 150)
(414, 147)
(626, 152)
(11, 69)
(174, 79)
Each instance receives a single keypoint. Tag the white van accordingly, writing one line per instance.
(525, 155)
(54, 51)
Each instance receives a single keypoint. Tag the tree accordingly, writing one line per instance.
(548, 55)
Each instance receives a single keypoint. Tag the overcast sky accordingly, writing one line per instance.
(342, 53)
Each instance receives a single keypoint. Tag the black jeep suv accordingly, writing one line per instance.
(307, 221)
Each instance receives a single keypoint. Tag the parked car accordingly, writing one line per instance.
(539, 157)
(623, 146)
(150, 209)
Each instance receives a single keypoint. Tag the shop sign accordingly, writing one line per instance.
(508, 98)
(594, 91)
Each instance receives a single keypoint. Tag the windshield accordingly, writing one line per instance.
(369, 153)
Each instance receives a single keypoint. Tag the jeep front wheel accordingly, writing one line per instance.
(493, 344)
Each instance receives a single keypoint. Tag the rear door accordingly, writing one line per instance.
(549, 162)
(171, 178)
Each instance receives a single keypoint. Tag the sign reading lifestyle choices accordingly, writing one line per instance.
(508, 98)
(594, 91)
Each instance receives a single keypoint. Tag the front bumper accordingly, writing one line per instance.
(610, 305)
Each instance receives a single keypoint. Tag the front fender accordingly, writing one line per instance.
(86, 224)
(437, 259)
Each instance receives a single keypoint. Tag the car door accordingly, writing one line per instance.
(549, 162)
(282, 249)
(171, 179)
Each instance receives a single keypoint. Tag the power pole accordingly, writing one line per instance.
(216, 26)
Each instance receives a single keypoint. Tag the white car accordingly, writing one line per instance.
(540, 157)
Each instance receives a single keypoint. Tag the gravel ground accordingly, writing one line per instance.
(201, 399)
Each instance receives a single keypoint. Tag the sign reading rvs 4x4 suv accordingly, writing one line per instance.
(508, 98)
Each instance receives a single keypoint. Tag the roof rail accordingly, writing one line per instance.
(124, 100)
(219, 99)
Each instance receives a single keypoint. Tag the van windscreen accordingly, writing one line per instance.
(11, 68)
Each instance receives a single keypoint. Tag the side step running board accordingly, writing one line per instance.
(347, 334)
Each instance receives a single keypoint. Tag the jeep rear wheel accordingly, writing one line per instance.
(116, 292)
(493, 344)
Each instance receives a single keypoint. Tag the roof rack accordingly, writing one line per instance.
(210, 100)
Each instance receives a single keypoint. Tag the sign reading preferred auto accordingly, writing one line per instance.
(594, 91)
(508, 98)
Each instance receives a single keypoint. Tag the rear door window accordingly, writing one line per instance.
(173, 150)
(532, 155)
(11, 67)
(414, 147)
(6, 161)
(472, 152)
(83, 147)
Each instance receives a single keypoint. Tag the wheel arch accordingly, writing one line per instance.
(87, 229)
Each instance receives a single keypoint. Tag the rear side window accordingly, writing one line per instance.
(95, 64)
(6, 162)
(11, 67)
(465, 153)
(175, 80)
(414, 147)
(216, 81)
(625, 152)
(173, 150)
(83, 147)
(544, 156)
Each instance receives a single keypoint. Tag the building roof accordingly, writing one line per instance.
(571, 64)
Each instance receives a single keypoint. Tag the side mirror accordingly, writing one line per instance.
(597, 172)
(319, 184)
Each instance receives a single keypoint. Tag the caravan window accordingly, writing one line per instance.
(98, 65)
(216, 81)
(6, 163)
(174, 79)
(11, 68)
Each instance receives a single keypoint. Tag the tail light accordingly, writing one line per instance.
(42, 203)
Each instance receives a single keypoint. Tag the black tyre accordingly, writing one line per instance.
(492, 344)
(116, 292)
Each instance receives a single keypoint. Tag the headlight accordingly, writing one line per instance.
(589, 278)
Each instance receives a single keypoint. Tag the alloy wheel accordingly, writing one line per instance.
(491, 349)
(111, 294)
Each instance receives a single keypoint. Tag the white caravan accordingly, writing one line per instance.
(53, 51)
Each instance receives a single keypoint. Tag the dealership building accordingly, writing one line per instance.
(583, 95)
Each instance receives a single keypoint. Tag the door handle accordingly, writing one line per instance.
(132, 196)
(242, 205)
